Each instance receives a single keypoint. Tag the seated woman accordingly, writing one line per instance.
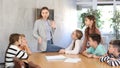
(13, 51)
(75, 46)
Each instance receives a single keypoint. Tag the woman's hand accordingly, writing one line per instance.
(40, 41)
(62, 51)
(53, 25)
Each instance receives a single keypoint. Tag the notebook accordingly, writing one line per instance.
(61, 57)
(72, 60)
(55, 57)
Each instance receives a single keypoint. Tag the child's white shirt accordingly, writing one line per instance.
(77, 48)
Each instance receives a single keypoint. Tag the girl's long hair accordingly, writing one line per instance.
(79, 34)
(93, 29)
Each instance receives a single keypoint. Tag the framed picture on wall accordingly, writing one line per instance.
(51, 14)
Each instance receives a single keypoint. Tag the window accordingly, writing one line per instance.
(106, 15)
(79, 12)
(118, 7)
(107, 8)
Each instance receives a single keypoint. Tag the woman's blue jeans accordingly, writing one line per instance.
(51, 47)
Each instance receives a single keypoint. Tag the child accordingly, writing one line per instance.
(90, 22)
(24, 45)
(13, 51)
(75, 46)
(96, 49)
(113, 57)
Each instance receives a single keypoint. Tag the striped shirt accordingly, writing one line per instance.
(14, 51)
(109, 61)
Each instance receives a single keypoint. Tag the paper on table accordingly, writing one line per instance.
(72, 60)
(55, 57)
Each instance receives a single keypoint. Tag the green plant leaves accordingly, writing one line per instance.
(116, 23)
(97, 15)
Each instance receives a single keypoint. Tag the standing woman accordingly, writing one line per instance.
(90, 22)
(43, 32)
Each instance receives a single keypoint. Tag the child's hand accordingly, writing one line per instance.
(62, 51)
(112, 59)
(89, 55)
(94, 56)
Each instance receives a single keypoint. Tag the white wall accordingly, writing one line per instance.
(65, 16)
(18, 16)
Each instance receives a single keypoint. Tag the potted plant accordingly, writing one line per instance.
(97, 15)
(116, 23)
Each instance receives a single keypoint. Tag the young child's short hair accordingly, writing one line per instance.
(79, 34)
(95, 37)
(22, 35)
(13, 38)
(116, 44)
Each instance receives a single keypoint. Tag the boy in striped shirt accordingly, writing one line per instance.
(113, 56)
(13, 50)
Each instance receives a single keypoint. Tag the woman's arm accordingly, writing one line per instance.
(84, 45)
(35, 30)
